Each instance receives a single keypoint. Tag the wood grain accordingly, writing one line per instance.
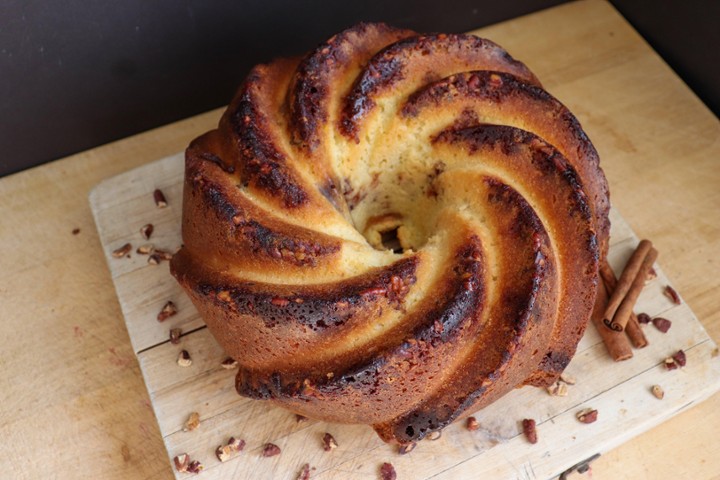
(621, 391)
(70, 378)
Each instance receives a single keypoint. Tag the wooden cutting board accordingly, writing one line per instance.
(619, 391)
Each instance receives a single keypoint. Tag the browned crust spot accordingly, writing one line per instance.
(318, 307)
(462, 296)
(259, 237)
(437, 413)
(544, 157)
(262, 164)
(499, 86)
(308, 94)
(388, 67)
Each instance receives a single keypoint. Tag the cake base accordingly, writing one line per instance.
(621, 392)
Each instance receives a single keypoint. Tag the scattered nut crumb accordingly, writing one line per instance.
(651, 275)
(181, 462)
(672, 295)
(236, 444)
(434, 435)
(301, 418)
(168, 310)
(226, 452)
(184, 359)
(223, 453)
(662, 324)
(163, 255)
(558, 389)
(270, 450)
(195, 467)
(159, 198)
(530, 430)
(680, 358)
(472, 424)
(75, 231)
(387, 472)
(145, 249)
(587, 415)
(192, 422)
(154, 259)
(670, 363)
(147, 230)
(122, 251)
(567, 378)
(329, 442)
(229, 363)
(405, 449)
(643, 318)
(279, 302)
(304, 473)
(658, 392)
(175, 334)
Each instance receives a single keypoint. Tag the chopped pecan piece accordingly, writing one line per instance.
(163, 255)
(588, 415)
(329, 442)
(530, 430)
(304, 473)
(175, 334)
(122, 251)
(472, 424)
(145, 249)
(680, 358)
(434, 435)
(404, 449)
(672, 295)
(236, 444)
(184, 359)
(387, 472)
(270, 450)
(195, 467)
(558, 389)
(662, 324)
(567, 378)
(168, 310)
(643, 318)
(229, 363)
(192, 422)
(658, 392)
(147, 230)
(159, 198)
(181, 462)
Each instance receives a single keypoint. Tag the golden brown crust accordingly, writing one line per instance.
(496, 194)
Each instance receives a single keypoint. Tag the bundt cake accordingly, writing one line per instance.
(395, 230)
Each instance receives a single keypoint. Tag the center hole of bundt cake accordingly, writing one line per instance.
(385, 232)
(395, 206)
(390, 240)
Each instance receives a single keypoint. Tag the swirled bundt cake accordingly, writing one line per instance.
(488, 185)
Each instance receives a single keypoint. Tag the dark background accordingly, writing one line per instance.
(77, 74)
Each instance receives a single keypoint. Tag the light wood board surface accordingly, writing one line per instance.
(621, 392)
(71, 384)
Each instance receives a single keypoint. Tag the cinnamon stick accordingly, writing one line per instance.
(632, 329)
(635, 332)
(627, 278)
(622, 315)
(617, 343)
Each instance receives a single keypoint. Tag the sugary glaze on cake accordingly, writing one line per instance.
(492, 187)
